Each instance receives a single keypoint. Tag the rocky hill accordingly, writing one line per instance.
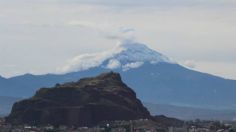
(82, 103)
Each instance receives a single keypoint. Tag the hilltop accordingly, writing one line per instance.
(82, 103)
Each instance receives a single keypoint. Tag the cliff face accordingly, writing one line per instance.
(83, 103)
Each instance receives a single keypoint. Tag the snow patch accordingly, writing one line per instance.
(126, 55)
(132, 65)
(113, 64)
(138, 52)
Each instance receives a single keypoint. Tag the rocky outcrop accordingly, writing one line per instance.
(83, 103)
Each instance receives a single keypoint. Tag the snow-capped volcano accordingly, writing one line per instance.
(125, 55)
(154, 77)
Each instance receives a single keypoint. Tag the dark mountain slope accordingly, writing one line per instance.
(174, 84)
(83, 103)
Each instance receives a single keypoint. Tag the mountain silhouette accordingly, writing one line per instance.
(83, 103)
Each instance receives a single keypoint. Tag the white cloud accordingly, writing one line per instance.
(127, 55)
(87, 61)
(113, 64)
(124, 33)
(132, 65)
(108, 31)
(102, 27)
(81, 23)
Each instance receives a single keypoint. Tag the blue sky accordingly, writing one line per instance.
(39, 36)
